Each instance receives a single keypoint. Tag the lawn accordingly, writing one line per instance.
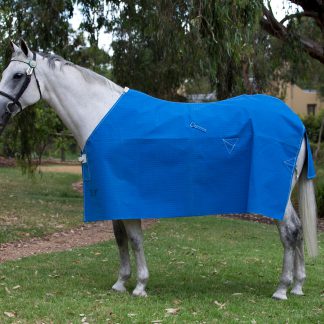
(37, 206)
(206, 269)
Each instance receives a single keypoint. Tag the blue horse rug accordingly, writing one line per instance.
(150, 158)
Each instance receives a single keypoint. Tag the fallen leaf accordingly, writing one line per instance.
(10, 314)
(156, 321)
(177, 302)
(220, 305)
(131, 314)
(16, 287)
(7, 290)
(172, 311)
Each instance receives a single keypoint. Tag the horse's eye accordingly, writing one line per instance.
(17, 76)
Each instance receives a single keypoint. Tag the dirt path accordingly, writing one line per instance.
(87, 234)
(75, 169)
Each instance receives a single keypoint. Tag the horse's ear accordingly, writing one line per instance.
(14, 47)
(25, 48)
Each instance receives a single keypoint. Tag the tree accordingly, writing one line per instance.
(154, 47)
(93, 12)
(288, 29)
(158, 45)
(45, 25)
(227, 30)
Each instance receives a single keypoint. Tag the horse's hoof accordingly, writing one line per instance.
(139, 293)
(279, 295)
(297, 291)
(119, 287)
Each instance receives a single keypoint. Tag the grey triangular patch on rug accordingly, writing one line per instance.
(230, 144)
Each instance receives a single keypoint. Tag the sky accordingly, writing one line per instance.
(280, 9)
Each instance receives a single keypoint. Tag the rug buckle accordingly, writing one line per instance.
(83, 158)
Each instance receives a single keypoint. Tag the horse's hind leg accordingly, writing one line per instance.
(135, 235)
(290, 230)
(125, 267)
(299, 263)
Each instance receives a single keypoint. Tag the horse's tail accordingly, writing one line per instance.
(308, 211)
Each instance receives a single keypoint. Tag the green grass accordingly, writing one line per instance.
(193, 263)
(37, 206)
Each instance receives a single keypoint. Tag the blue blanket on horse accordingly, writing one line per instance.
(150, 158)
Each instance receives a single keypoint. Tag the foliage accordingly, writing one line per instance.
(310, 75)
(209, 269)
(45, 25)
(40, 123)
(297, 41)
(93, 12)
(319, 182)
(153, 45)
(302, 30)
(320, 199)
(313, 124)
(229, 46)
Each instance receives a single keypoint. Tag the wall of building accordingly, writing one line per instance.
(299, 99)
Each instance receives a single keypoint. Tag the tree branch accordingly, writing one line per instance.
(275, 28)
(312, 5)
(300, 14)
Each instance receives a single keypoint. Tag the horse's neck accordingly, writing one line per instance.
(80, 103)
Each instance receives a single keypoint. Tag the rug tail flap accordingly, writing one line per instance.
(311, 173)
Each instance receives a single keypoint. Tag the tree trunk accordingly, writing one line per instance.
(63, 158)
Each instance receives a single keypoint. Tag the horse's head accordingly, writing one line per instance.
(19, 86)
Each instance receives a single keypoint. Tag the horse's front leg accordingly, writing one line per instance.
(135, 236)
(125, 266)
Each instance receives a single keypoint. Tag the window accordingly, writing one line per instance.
(311, 108)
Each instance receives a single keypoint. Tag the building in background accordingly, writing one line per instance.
(303, 102)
